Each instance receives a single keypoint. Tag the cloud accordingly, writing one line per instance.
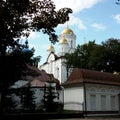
(78, 22)
(98, 26)
(76, 5)
(74, 21)
(117, 18)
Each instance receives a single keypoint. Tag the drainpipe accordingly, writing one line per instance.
(85, 103)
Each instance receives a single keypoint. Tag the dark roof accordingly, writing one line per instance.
(39, 75)
(91, 76)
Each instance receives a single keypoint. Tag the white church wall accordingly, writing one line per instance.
(102, 97)
(45, 67)
(63, 49)
(59, 71)
(50, 58)
(69, 39)
(63, 71)
(56, 68)
(73, 98)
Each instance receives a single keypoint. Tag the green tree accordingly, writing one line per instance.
(102, 57)
(13, 67)
(118, 2)
(10, 102)
(27, 99)
(80, 58)
(19, 17)
(105, 57)
(112, 55)
(49, 103)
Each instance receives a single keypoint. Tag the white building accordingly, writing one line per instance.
(87, 91)
(92, 92)
(37, 81)
(55, 62)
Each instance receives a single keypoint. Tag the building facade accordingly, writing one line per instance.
(87, 91)
(92, 92)
(55, 61)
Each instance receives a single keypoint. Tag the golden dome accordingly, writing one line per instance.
(63, 40)
(50, 48)
(67, 31)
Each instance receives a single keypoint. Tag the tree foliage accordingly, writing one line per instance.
(13, 65)
(19, 17)
(101, 57)
(27, 99)
(118, 2)
(49, 103)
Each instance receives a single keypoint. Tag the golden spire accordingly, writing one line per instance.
(51, 48)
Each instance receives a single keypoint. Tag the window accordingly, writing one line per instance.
(71, 44)
(51, 66)
(103, 102)
(93, 102)
(57, 72)
(112, 102)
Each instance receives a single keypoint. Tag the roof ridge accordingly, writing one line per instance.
(79, 75)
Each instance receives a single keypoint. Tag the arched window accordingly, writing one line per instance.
(71, 44)
(57, 71)
(112, 102)
(51, 66)
(103, 102)
(93, 102)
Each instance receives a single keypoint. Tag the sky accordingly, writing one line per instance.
(91, 20)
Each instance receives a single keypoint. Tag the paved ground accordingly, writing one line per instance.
(92, 118)
(51, 116)
(89, 119)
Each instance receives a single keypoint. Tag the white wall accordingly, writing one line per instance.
(57, 68)
(73, 98)
(69, 39)
(54, 66)
(102, 97)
